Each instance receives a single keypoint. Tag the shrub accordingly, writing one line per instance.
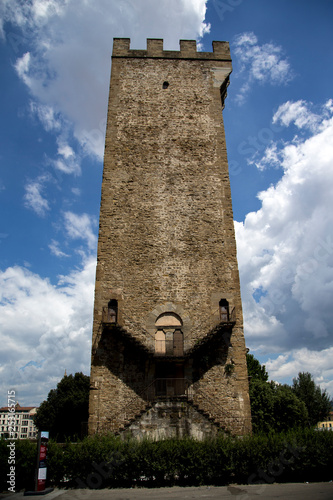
(109, 461)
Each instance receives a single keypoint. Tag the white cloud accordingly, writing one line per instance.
(44, 9)
(46, 115)
(55, 250)
(318, 363)
(44, 329)
(67, 166)
(285, 249)
(68, 65)
(65, 150)
(271, 158)
(76, 191)
(67, 161)
(22, 67)
(259, 63)
(33, 197)
(297, 112)
(81, 227)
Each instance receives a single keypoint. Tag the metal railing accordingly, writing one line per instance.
(168, 387)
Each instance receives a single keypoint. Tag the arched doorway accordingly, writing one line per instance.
(112, 311)
(169, 344)
(224, 310)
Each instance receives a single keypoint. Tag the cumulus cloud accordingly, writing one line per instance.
(66, 161)
(33, 197)
(81, 227)
(55, 250)
(318, 363)
(271, 158)
(22, 67)
(285, 249)
(44, 329)
(68, 65)
(298, 113)
(47, 116)
(259, 63)
(65, 150)
(67, 165)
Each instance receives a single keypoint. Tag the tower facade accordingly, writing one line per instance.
(168, 350)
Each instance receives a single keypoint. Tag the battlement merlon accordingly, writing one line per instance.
(188, 50)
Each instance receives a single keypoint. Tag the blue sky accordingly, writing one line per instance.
(55, 60)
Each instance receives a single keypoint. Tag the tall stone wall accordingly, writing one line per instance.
(166, 240)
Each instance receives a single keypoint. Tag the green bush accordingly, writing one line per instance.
(25, 464)
(109, 462)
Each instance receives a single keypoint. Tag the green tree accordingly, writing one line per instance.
(274, 407)
(288, 410)
(262, 405)
(255, 369)
(65, 408)
(317, 401)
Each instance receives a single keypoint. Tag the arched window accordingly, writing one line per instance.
(178, 343)
(112, 311)
(160, 342)
(224, 310)
(169, 339)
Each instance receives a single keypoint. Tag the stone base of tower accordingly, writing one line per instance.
(172, 418)
(160, 395)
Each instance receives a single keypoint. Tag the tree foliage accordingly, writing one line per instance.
(65, 408)
(274, 407)
(288, 411)
(262, 405)
(255, 369)
(317, 401)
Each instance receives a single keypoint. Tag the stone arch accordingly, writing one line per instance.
(169, 307)
(169, 319)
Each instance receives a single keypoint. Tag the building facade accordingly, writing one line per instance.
(326, 424)
(18, 424)
(168, 350)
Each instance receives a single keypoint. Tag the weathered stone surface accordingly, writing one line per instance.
(166, 240)
(172, 419)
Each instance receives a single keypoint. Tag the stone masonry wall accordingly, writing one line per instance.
(166, 239)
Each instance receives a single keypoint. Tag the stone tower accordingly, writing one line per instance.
(168, 350)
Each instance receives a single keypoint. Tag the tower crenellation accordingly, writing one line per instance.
(188, 50)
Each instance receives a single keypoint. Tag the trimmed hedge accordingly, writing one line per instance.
(107, 461)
